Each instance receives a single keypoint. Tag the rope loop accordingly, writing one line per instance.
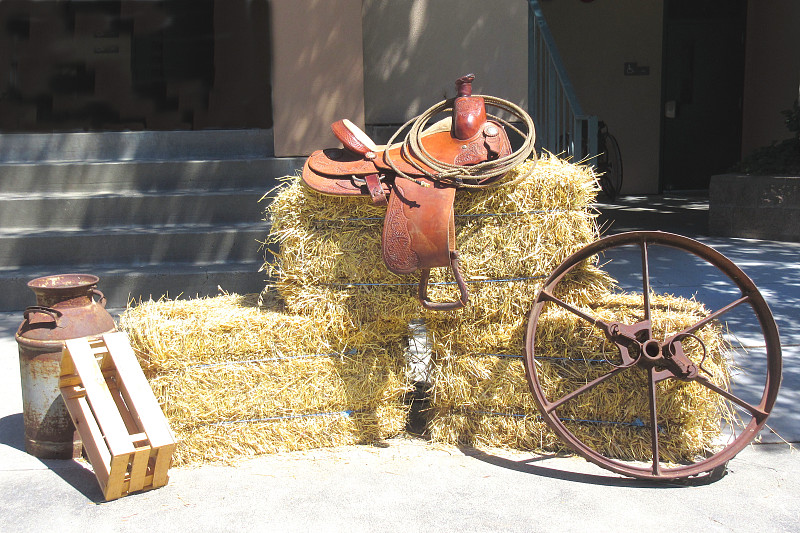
(481, 175)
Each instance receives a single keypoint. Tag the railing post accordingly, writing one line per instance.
(578, 125)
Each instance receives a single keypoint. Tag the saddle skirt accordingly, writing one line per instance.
(419, 228)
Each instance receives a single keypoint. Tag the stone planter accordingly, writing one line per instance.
(755, 207)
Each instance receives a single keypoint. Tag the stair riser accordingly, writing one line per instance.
(146, 175)
(94, 212)
(132, 248)
(119, 288)
(136, 145)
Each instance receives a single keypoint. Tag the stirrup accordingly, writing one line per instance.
(443, 306)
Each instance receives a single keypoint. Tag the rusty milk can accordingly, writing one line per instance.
(65, 309)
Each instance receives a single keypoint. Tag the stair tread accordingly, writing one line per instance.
(146, 175)
(116, 193)
(139, 229)
(139, 268)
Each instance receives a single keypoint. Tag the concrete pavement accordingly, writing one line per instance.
(408, 484)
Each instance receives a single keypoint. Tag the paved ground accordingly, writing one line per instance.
(410, 485)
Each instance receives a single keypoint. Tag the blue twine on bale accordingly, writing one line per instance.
(637, 422)
(346, 414)
(545, 357)
(352, 351)
(323, 222)
(415, 284)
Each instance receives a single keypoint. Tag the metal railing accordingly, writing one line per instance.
(562, 128)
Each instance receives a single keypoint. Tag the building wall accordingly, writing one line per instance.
(317, 71)
(772, 70)
(414, 50)
(595, 40)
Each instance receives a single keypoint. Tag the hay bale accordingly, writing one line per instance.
(328, 260)
(481, 396)
(235, 378)
(506, 232)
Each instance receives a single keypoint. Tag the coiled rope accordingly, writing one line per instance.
(478, 176)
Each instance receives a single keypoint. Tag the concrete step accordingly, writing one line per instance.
(122, 283)
(146, 245)
(148, 228)
(135, 145)
(52, 211)
(145, 176)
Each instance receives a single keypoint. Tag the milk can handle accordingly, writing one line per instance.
(54, 313)
(102, 301)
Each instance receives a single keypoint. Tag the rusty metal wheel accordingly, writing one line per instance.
(642, 385)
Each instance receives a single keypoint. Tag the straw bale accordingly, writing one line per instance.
(328, 262)
(509, 232)
(481, 396)
(374, 312)
(232, 442)
(226, 369)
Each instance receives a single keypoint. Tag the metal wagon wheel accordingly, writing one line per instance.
(633, 351)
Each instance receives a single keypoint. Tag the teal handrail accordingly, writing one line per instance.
(562, 127)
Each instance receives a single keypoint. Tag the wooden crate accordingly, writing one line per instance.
(125, 434)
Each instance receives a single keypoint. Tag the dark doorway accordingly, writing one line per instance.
(701, 98)
(115, 65)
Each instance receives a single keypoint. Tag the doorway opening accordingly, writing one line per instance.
(702, 91)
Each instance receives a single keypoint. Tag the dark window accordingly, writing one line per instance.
(133, 65)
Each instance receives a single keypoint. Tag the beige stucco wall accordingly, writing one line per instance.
(595, 40)
(415, 49)
(772, 70)
(317, 71)
(405, 55)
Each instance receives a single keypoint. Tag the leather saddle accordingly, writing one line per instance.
(419, 229)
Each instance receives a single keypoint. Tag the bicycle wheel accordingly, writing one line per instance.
(609, 164)
(643, 383)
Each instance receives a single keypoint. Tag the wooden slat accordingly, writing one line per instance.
(163, 462)
(67, 366)
(139, 469)
(72, 391)
(91, 436)
(138, 437)
(132, 382)
(148, 484)
(102, 404)
(116, 478)
(69, 380)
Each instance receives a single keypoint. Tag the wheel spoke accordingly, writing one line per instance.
(713, 316)
(551, 406)
(758, 413)
(645, 281)
(651, 385)
(574, 310)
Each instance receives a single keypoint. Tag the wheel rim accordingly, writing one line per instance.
(660, 360)
(612, 164)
